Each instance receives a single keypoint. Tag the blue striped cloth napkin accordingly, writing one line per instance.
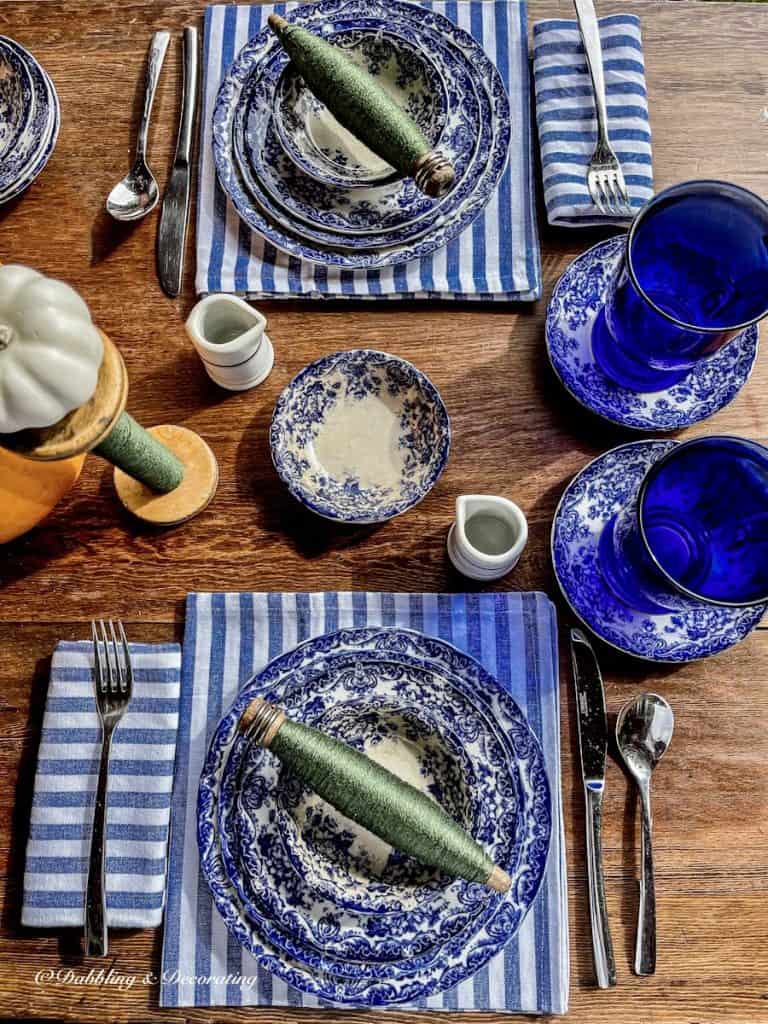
(497, 257)
(139, 792)
(565, 114)
(229, 637)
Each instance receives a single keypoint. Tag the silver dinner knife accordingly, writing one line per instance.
(174, 215)
(593, 745)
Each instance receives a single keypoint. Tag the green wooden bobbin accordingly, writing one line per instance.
(372, 796)
(359, 103)
(164, 475)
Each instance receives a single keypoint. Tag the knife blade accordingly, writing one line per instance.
(172, 232)
(593, 747)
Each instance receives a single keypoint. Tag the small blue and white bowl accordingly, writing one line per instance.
(324, 149)
(360, 436)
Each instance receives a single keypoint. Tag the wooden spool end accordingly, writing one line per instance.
(433, 174)
(194, 493)
(85, 427)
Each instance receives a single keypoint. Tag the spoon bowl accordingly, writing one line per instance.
(135, 196)
(643, 734)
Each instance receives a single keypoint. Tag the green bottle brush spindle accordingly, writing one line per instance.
(372, 796)
(359, 103)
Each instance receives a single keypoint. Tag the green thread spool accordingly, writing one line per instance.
(372, 796)
(358, 103)
(134, 450)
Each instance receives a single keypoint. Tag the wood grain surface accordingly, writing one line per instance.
(515, 433)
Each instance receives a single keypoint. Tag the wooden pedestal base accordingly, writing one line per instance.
(194, 493)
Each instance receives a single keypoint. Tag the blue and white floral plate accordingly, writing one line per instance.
(398, 210)
(576, 300)
(591, 499)
(35, 144)
(400, 17)
(451, 751)
(16, 98)
(360, 436)
(327, 151)
(531, 830)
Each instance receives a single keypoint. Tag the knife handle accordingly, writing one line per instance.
(188, 96)
(602, 947)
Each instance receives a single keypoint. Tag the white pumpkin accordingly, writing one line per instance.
(50, 350)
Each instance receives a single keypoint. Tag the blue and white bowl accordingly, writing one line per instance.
(306, 681)
(327, 151)
(360, 436)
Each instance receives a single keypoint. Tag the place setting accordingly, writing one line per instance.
(352, 799)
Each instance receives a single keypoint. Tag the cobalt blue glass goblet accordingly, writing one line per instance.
(696, 531)
(693, 275)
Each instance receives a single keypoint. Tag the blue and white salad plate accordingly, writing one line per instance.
(21, 165)
(450, 751)
(360, 436)
(576, 301)
(401, 18)
(272, 177)
(592, 498)
(290, 680)
(322, 147)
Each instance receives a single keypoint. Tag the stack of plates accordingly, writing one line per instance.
(325, 905)
(298, 178)
(29, 118)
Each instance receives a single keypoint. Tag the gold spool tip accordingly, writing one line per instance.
(433, 174)
(261, 721)
(499, 880)
(276, 23)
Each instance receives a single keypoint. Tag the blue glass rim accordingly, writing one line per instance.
(651, 475)
(702, 184)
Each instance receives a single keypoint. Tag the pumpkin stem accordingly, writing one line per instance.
(6, 336)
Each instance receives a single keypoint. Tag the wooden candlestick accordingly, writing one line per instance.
(164, 475)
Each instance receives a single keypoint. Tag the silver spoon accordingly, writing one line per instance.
(643, 733)
(137, 194)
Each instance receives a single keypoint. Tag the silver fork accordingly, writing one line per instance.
(113, 684)
(605, 179)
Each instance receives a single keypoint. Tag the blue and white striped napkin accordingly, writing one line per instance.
(138, 799)
(496, 257)
(565, 114)
(229, 637)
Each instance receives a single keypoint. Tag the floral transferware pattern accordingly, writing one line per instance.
(360, 436)
(16, 98)
(577, 299)
(592, 498)
(319, 145)
(469, 954)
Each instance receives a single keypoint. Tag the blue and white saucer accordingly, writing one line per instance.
(591, 499)
(578, 297)
(16, 98)
(360, 436)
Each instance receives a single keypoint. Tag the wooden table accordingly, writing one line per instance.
(515, 433)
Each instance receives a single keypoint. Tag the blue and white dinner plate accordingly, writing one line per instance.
(591, 499)
(16, 98)
(531, 831)
(436, 750)
(576, 300)
(272, 177)
(33, 148)
(323, 148)
(399, 16)
(360, 436)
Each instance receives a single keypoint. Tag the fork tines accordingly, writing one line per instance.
(112, 662)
